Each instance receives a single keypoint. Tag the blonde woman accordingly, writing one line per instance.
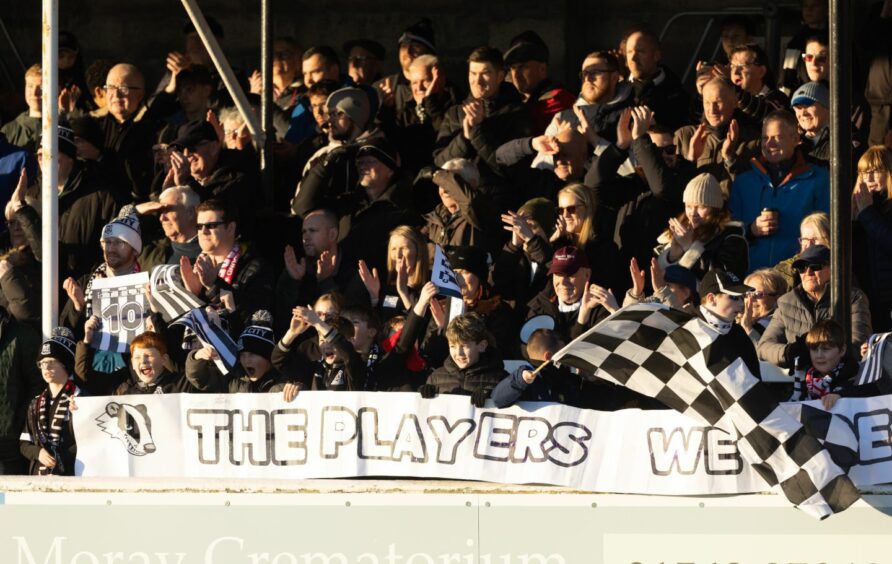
(408, 269)
(768, 285)
(872, 243)
(813, 230)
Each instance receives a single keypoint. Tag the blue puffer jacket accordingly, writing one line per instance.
(805, 189)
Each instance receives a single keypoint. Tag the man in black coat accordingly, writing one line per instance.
(653, 84)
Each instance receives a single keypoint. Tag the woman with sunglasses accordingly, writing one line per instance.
(872, 243)
(759, 305)
(704, 236)
(813, 230)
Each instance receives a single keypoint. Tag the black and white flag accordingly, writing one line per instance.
(872, 369)
(661, 353)
(170, 297)
(210, 333)
(120, 302)
(443, 276)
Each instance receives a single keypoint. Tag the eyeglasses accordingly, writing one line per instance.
(209, 225)
(741, 68)
(759, 294)
(122, 90)
(591, 74)
(809, 240)
(47, 364)
(813, 268)
(817, 59)
(569, 210)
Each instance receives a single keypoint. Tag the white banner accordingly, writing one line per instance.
(443, 276)
(120, 301)
(346, 434)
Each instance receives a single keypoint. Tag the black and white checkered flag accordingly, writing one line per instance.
(209, 333)
(169, 296)
(662, 353)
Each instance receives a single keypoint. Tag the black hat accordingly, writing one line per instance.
(682, 276)
(88, 129)
(67, 40)
(381, 149)
(66, 140)
(526, 46)
(421, 32)
(721, 282)
(373, 47)
(472, 259)
(258, 337)
(60, 346)
(816, 254)
(191, 134)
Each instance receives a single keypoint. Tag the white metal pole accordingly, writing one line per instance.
(50, 168)
(222, 66)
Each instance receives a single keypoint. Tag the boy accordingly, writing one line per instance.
(150, 361)
(48, 438)
(553, 383)
(24, 130)
(833, 374)
(473, 367)
(254, 372)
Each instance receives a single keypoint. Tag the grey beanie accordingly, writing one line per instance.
(704, 190)
(352, 101)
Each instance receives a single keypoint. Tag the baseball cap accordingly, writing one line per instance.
(567, 260)
(721, 282)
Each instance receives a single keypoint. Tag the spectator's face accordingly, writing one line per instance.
(817, 61)
(642, 56)
(52, 370)
(666, 144)
(527, 76)
(147, 363)
(448, 201)
(763, 302)
(117, 253)
(697, 215)
(194, 98)
(33, 92)
(815, 278)
(328, 352)
(814, 13)
(255, 365)
(320, 111)
(374, 175)
(202, 158)
(235, 134)
(681, 292)
(718, 104)
(745, 73)
(875, 178)
(811, 117)
(16, 233)
(779, 141)
(121, 79)
(469, 285)
(725, 306)
(215, 235)
(67, 58)
(362, 65)
(420, 79)
(402, 247)
(363, 335)
(825, 357)
(484, 80)
(598, 80)
(317, 235)
(286, 61)
(573, 210)
(177, 221)
(732, 36)
(326, 309)
(809, 237)
(409, 52)
(340, 126)
(465, 354)
(315, 69)
(570, 287)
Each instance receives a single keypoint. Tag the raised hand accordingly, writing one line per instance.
(290, 391)
(604, 296)
(637, 279)
(190, 281)
(180, 167)
(91, 326)
(518, 226)
(587, 131)
(624, 129)
(370, 279)
(325, 265)
(256, 82)
(732, 140)
(212, 119)
(428, 291)
(545, 144)
(75, 293)
(438, 80)
(439, 315)
(697, 144)
(296, 269)
(642, 119)
(656, 274)
(682, 234)
(861, 197)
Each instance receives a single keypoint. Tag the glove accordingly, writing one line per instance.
(428, 391)
(479, 397)
(799, 349)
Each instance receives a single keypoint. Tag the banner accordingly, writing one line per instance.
(443, 276)
(120, 302)
(349, 434)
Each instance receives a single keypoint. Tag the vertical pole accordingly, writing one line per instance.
(840, 162)
(50, 167)
(772, 32)
(266, 104)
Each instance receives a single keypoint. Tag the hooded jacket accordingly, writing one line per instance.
(484, 375)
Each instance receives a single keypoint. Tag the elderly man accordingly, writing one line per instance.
(783, 342)
(753, 82)
(721, 140)
(176, 212)
(811, 102)
(364, 58)
(492, 114)
(780, 189)
(654, 85)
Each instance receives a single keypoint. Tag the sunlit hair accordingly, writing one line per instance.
(826, 332)
(420, 273)
(821, 222)
(706, 231)
(34, 70)
(772, 281)
(878, 157)
(589, 229)
(467, 328)
(334, 298)
(149, 340)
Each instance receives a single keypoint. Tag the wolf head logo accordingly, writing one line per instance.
(129, 423)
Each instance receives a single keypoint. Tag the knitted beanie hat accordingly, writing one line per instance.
(60, 346)
(126, 228)
(258, 337)
(704, 190)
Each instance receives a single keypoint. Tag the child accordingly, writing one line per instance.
(552, 383)
(833, 374)
(48, 438)
(473, 367)
(151, 375)
(254, 372)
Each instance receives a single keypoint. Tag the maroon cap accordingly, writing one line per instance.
(567, 260)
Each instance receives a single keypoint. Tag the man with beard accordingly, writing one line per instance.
(318, 63)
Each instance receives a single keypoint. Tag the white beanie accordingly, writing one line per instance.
(126, 228)
(704, 190)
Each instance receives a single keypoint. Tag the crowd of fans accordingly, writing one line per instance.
(554, 210)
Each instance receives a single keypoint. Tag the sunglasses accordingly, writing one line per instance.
(813, 268)
(819, 59)
(209, 225)
(592, 74)
(569, 210)
(759, 294)
(809, 240)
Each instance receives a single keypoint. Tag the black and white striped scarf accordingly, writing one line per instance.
(51, 420)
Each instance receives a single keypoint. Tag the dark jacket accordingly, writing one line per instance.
(665, 96)
(127, 154)
(253, 287)
(20, 380)
(30, 443)
(205, 377)
(471, 225)
(553, 384)
(484, 375)
(347, 374)
(872, 248)
(235, 182)
(20, 287)
(565, 323)
(23, 131)
(726, 251)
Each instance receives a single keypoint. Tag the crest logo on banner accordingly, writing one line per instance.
(130, 424)
(120, 302)
(443, 276)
